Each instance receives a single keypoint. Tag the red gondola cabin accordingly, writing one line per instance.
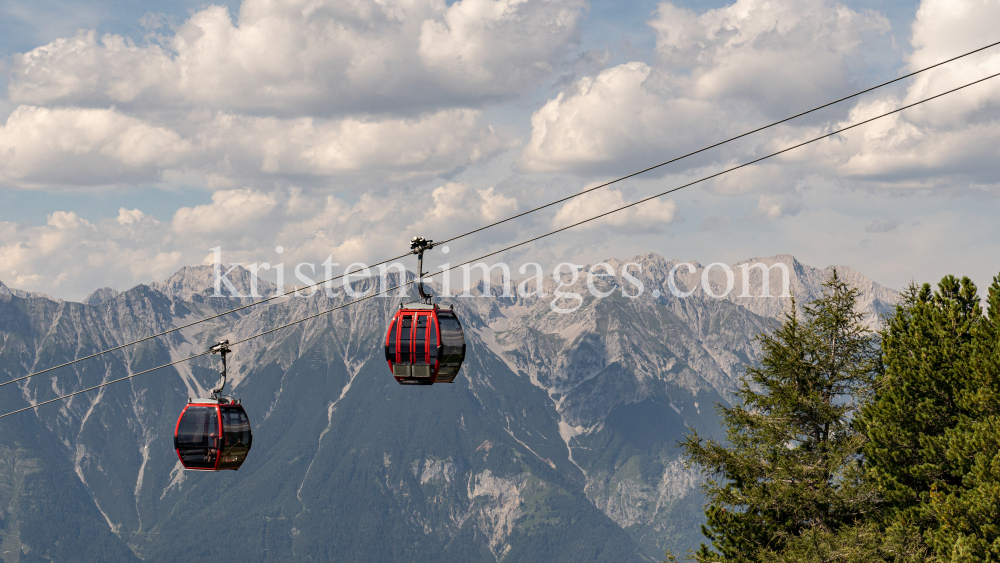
(212, 435)
(424, 345)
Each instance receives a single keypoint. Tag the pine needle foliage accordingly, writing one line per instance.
(934, 425)
(968, 517)
(790, 469)
(919, 421)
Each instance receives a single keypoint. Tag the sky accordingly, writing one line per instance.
(138, 136)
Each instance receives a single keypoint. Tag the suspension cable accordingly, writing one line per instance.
(511, 218)
(192, 323)
(68, 395)
(720, 143)
(522, 243)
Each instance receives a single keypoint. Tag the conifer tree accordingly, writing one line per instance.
(912, 422)
(967, 526)
(791, 467)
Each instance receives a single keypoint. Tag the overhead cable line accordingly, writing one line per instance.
(528, 241)
(68, 395)
(192, 323)
(511, 218)
(720, 143)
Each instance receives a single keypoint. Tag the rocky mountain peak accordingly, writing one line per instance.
(7, 290)
(758, 284)
(200, 280)
(100, 296)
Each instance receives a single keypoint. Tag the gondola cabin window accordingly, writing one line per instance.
(197, 437)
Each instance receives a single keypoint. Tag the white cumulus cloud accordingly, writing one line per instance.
(431, 144)
(312, 57)
(41, 146)
(771, 54)
(771, 206)
(304, 89)
(491, 48)
(714, 73)
(727, 70)
(646, 217)
(619, 118)
(953, 141)
(230, 210)
(954, 138)
(69, 256)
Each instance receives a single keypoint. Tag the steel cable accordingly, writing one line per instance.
(511, 218)
(528, 241)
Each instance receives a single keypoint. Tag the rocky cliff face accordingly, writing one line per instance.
(555, 443)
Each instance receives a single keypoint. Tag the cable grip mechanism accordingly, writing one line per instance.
(222, 348)
(417, 246)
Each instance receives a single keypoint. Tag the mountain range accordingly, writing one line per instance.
(555, 443)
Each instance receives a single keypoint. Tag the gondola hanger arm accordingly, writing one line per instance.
(418, 246)
(222, 348)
